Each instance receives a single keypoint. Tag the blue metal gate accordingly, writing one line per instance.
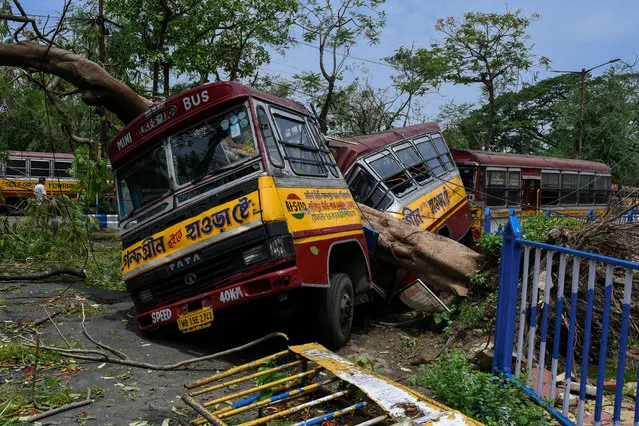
(529, 329)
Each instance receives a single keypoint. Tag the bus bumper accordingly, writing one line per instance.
(238, 292)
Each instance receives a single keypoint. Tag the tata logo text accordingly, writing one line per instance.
(295, 206)
(185, 261)
(124, 141)
(190, 279)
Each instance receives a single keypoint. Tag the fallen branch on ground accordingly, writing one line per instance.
(85, 354)
(44, 275)
(100, 344)
(61, 409)
(56, 326)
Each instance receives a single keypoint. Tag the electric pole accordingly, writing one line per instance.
(582, 90)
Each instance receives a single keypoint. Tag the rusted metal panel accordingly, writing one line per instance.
(309, 385)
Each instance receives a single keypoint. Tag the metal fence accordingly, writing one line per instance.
(496, 224)
(537, 323)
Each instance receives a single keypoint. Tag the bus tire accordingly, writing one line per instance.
(337, 306)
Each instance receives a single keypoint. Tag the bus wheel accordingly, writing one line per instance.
(336, 311)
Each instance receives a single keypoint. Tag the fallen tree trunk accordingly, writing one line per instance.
(44, 275)
(439, 261)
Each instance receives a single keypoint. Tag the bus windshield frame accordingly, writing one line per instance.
(212, 147)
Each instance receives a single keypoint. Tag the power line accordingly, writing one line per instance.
(371, 61)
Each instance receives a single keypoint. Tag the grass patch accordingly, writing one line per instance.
(59, 235)
(50, 391)
(482, 396)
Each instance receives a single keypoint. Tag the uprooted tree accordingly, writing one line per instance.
(439, 261)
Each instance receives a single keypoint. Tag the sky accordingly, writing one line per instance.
(573, 34)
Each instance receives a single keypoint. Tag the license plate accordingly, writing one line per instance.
(195, 320)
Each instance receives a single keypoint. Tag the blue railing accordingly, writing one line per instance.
(523, 340)
(496, 224)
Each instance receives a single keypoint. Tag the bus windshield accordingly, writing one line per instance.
(142, 182)
(213, 146)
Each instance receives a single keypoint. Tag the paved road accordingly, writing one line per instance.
(129, 394)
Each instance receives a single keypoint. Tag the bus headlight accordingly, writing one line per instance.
(256, 254)
(281, 247)
(145, 297)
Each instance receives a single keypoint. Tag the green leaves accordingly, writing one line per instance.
(94, 179)
(493, 401)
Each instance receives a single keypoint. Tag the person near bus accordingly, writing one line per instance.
(40, 191)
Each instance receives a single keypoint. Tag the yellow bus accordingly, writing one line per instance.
(228, 195)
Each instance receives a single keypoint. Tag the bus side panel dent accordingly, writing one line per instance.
(270, 200)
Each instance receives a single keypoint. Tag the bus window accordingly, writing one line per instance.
(302, 154)
(391, 173)
(586, 189)
(60, 168)
(40, 168)
(467, 174)
(444, 153)
(213, 146)
(16, 167)
(142, 182)
(427, 150)
(602, 189)
(496, 188)
(268, 138)
(367, 190)
(549, 189)
(569, 188)
(412, 161)
(514, 188)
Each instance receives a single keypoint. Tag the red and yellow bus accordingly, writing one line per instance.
(20, 170)
(228, 195)
(530, 184)
(409, 173)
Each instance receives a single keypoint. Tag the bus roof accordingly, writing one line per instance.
(501, 159)
(40, 155)
(182, 110)
(347, 150)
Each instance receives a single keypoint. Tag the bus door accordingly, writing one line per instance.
(531, 192)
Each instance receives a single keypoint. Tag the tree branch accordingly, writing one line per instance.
(97, 87)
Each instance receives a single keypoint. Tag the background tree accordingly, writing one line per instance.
(336, 26)
(487, 48)
(611, 126)
(226, 39)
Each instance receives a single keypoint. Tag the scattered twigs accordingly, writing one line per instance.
(56, 326)
(5, 407)
(35, 372)
(100, 344)
(44, 275)
(86, 354)
(49, 318)
(61, 409)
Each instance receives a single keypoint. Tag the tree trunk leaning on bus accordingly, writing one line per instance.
(439, 261)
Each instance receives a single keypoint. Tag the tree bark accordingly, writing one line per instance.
(490, 85)
(95, 84)
(439, 261)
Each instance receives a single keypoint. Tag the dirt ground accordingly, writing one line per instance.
(126, 395)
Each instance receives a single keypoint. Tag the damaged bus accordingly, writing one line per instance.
(228, 195)
(409, 173)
